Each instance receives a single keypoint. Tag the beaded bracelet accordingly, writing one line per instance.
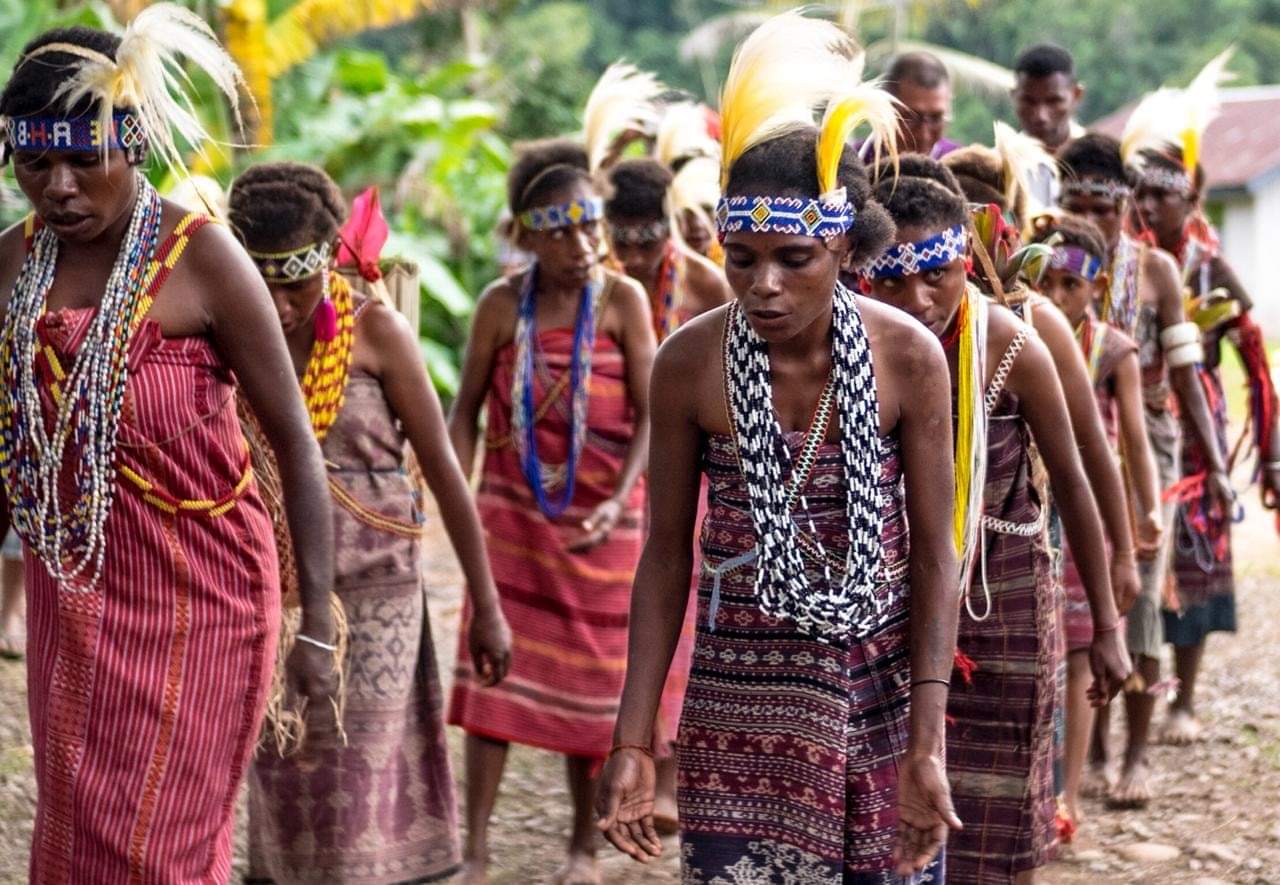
(303, 637)
(639, 747)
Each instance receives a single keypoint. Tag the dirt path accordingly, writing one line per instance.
(1215, 817)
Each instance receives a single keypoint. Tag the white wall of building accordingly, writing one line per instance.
(1250, 243)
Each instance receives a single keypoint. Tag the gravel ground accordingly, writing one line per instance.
(1215, 818)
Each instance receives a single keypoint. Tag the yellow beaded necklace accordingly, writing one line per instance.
(324, 385)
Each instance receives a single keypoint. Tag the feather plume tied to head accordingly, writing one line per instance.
(781, 74)
(683, 134)
(625, 98)
(1023, 161)
(148, 77)
(1172, 119)
(866, 103)
(695, 189)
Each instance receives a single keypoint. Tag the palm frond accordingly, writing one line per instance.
(970, 71)
(296, 35)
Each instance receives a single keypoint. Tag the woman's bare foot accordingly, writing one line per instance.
(579, 869)
(1097, 780)
(1181, 728)
(1133, 789)
(13, 645)
(474, 872)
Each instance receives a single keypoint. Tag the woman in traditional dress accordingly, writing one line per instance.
(562, 354)
(811, 738)
(1167, 199)
(370, 798)
(152, 587)
(1001, 711)
(1143, 300)
(1075, 281)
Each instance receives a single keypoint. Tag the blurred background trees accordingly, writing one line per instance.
(425, 97)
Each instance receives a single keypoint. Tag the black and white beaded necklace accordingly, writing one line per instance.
(846, 603)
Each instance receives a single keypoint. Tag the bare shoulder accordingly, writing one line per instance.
(1050, 322)
(702, 272)
(1002, 327)
(695, 346)
(1159, 265)
(899, 341)
(383, 325)
(13, 251)
(626, 295)
(499, 301)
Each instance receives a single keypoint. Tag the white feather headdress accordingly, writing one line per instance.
(682, 134)
(1024, 161)
(147, 76)
(624, 98)
(1176, 119)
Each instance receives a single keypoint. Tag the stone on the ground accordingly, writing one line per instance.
(1219, 853)
(1148, 852)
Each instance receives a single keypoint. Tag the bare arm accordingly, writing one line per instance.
(238, 302)
(1095, 451)
(1041, 404)
(635, 335)
(1160, 272)
(494, 317)
(1139, 458)
(391, 343)
(660, 593)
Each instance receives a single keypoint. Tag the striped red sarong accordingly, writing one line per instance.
(568, 611)
(146, 693)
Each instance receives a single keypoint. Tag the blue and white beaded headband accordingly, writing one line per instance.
(809, 216)
(639, 234)
(1093, 187)
(74, 134)
(569, 214)
(1075, 260)
(905, 259)
(295, 265)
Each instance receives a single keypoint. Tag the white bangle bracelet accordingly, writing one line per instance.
(303, 637)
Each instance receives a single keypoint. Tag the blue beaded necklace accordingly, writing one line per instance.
(523, 412)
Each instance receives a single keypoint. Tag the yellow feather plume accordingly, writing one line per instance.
(695, 189)
(624, 98)
(868, 104)
(1176, 118)
(780, 75)
(1023, 159)
(683, 133)
(148, 76)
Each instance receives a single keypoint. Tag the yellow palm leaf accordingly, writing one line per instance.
(296, 35)
(246, 35)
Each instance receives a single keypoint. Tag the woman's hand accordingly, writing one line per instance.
(1271, 485)
(598, 525)
(1126, 586)
(1150, 533)
(311, 674)
(489, 641)
(925, 813)
(1109, 661)
(624, 805)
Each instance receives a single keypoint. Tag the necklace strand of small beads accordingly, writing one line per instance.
(848, 602)
(70, 540)
(324, 384)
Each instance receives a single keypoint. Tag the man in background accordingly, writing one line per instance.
(1046, 96)
(919, 80)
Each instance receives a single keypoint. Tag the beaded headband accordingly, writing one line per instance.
(1075, 260)
(294, 265)
(1165, 179)
(74, 134)
(785, 215)
(639, 234)
(1093, 187)
(569, 214)
(904, 259)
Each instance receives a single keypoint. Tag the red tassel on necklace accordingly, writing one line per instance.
(326, 320)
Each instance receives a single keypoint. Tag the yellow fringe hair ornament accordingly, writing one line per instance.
(147, 76)
(971, 436)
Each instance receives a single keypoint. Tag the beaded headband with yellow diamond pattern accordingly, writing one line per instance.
(569, 214)
(295, 265)
(784, 215)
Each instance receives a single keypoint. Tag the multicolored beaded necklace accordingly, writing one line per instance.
(1091, 337)
(69, 539)
(665, 320)
(324, 384)
(1120, 305)
(523, 414)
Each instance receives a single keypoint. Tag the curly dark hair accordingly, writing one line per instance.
(980, 173)
(917, 166)
(1072, 230)
(1093, 155)
(544, 166)
(33, 85)
(788, 166)
(639, 190)
(922, 202)
(278, 206)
